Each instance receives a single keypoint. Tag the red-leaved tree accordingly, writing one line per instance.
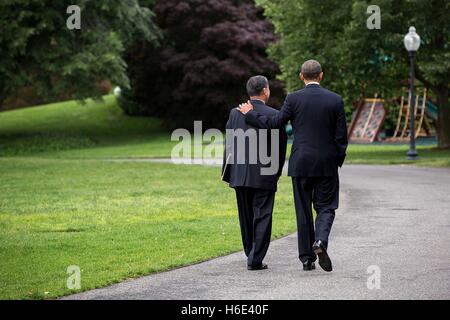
(209, 50)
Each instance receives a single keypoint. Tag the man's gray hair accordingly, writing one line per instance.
(311, 69)
(256, 84)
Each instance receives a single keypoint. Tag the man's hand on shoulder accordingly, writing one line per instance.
(245, 107)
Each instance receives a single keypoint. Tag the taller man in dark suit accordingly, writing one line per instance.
(246, 168)
(319, 148)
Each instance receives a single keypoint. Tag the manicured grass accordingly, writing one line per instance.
(62, 203)
(113, 220)
(70, 129)
(396, 154)
(101, 130)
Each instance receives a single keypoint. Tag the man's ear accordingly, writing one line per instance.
(301, 77)
(321, 76)
(268, 93)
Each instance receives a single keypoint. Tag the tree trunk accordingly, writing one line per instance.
(443, 127)
(2, 95)
(2, 99)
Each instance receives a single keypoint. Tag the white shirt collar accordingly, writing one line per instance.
(259, 100)
(313, 82)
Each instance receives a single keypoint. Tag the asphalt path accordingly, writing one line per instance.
(390, 240)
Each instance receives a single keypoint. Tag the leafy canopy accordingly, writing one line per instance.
(37, 48)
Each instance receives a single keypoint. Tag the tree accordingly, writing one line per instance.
(433, 59)
(358, 61)
(37, 48)
(209, 49)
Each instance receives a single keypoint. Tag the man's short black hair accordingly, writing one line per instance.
(311, 70)
(256, 84)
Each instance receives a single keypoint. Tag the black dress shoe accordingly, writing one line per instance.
(262, 266)
(308, 266)
(321, 252)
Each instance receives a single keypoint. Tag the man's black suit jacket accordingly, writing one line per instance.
(249, 175)
(320, 130)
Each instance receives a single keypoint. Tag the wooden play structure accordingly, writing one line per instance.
(367, 121)
(422, 116)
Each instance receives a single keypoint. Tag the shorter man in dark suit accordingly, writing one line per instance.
(320, 141)
(255, 182)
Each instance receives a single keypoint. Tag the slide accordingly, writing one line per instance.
(432, 109)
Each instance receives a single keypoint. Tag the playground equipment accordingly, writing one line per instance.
(424, 112)
(370, 114)
(367, 121)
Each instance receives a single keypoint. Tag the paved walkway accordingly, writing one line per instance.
(394, 217)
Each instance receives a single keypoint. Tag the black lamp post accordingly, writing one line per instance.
(412, 44)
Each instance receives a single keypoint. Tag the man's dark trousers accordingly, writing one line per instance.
(319, 147)
(323, 193)
(255, 191)
(255, 208)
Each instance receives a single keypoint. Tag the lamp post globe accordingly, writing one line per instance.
(412, 40)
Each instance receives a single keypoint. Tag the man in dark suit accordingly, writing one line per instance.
(319, 148)
(254, 179)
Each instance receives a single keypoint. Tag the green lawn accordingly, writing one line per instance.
(71, 130)
(62, 203)
(100, 130)
(113, 220)
(396, 154)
